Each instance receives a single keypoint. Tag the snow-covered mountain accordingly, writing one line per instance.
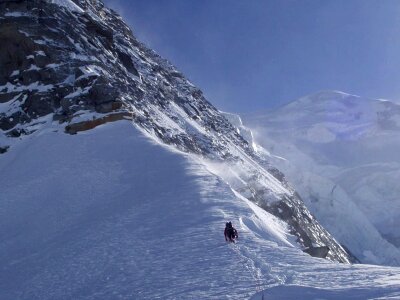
(118, 176)
(341, 152)
(78, 64)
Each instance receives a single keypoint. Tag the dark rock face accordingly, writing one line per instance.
(61, 63)
(90, 124)
(3, 149)
(46, 59)
(320, 252)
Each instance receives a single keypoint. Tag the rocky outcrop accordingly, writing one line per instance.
(4, 149)
(49, 66)
(74, 128)
(320, 252)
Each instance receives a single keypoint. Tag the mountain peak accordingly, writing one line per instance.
(333, 101)
(333, 93)
(322, 97)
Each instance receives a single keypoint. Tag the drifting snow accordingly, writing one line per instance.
(246, 133)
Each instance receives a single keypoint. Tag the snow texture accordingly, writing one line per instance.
(98, 216)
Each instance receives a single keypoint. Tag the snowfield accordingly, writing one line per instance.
(111, 214)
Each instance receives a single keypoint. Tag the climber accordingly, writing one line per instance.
(230, 233)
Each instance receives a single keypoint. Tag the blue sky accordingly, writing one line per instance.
(256, 55)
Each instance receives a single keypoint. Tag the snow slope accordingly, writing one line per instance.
(341, 152)
(99, 216)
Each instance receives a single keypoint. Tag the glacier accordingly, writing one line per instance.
(341, 153)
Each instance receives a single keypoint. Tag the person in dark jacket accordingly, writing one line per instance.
(230, 233)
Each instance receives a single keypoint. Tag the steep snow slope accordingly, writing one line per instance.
(111, 214)
(342, 154)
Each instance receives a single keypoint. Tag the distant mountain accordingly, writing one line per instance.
(342, 153)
